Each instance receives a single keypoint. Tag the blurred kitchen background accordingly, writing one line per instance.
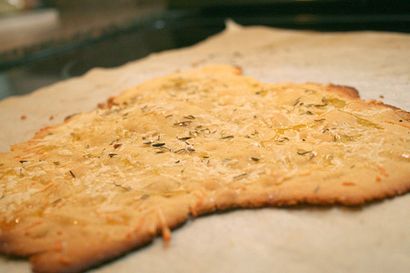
(45, 41)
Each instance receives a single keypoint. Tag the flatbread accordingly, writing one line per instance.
(187, 144)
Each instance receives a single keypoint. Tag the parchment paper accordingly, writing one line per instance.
(374, 238)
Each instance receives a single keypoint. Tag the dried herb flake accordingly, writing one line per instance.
(118, 145)
(158, 144)
(71, 173)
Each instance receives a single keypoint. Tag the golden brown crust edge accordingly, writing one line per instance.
(344, 90)
(96, 253)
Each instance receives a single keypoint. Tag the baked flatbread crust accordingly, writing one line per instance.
(191, 143)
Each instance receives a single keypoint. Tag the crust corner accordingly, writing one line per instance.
(343, 90)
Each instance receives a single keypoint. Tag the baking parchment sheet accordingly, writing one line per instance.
(374, 238)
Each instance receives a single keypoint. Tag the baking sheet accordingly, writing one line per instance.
(374, 238)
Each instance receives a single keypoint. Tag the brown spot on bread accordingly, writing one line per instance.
(348, 183)
(111, 102)
(343, 90)
(238, 70)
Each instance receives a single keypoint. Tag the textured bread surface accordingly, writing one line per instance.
(190, 143)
